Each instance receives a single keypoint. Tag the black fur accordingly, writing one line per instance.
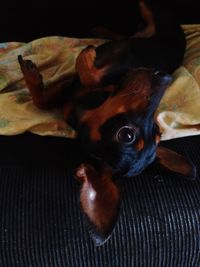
(164, 51)
(125, 159)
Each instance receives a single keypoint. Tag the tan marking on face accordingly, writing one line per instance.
(134, 96)
(157, 138)
(94, 119)
(147, 15)
(139, 145)
(121, 109)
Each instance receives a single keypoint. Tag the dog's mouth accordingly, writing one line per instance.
(125, 171)
(125, 162)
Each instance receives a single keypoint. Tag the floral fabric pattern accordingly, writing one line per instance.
(178, 114)
(55, 56)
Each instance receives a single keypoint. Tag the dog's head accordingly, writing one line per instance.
(119, 135)
(122, 131)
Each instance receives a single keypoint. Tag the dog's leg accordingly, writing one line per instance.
(43, 98)
(148, 31)
(147, 15)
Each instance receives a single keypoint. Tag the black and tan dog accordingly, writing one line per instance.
(111, 104)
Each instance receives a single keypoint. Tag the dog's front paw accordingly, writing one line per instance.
(31, 73)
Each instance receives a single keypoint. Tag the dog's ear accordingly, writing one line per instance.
(176, 162)
(99, 199)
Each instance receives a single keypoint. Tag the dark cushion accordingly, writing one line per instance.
(41, 223)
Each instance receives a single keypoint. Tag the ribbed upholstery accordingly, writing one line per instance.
(41, 224)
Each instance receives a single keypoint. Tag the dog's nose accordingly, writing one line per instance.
(165, 77)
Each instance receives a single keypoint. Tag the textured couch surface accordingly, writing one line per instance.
(41, 223)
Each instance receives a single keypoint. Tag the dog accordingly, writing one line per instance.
(111, 104)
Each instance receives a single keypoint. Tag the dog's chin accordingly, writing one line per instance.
(132, 173)
(132, 170)
(123, 166)
(121, 174)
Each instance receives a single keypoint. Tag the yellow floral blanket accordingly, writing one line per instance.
(178, 114)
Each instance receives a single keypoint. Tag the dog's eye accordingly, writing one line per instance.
(126, 135)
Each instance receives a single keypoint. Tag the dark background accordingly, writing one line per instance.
(25, 21)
